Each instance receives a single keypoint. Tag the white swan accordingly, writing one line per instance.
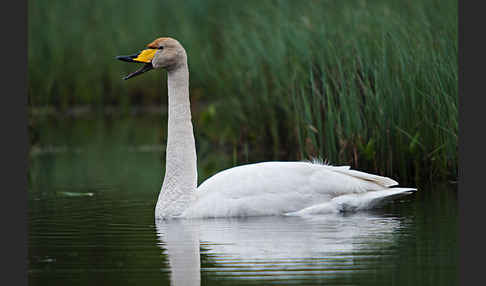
(269, 188)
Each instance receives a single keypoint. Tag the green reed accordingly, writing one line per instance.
(372, 84)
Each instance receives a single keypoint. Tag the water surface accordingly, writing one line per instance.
(93, 188)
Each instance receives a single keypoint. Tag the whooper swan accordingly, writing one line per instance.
(268, 188)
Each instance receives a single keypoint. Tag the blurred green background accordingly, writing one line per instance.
(371, 84)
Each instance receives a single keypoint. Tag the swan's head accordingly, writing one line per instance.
(166, 53)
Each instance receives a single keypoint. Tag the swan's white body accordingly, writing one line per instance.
(270, 188)
(290, 188)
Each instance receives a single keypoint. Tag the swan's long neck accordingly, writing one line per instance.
(180, 180)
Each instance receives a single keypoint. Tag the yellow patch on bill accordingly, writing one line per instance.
(145, 56)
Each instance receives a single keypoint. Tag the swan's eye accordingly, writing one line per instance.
(161, 47)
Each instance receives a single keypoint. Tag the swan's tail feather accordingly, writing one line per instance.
(373, 199)
(380, 180)
(355, 201)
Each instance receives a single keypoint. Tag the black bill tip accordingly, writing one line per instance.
(144, 68)
(126, 58)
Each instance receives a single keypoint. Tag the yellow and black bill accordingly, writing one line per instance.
(144, 56)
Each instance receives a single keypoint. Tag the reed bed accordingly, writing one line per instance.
(372, 84)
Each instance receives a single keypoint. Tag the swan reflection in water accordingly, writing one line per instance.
(278, 246)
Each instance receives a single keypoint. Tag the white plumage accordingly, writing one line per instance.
(269, 188)
(288, 188)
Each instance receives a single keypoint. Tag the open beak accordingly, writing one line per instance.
(145, 56)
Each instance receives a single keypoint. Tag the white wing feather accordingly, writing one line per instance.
(274, 188)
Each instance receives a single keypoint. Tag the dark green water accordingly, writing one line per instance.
(93, 188)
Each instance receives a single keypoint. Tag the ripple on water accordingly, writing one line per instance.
(112, 238)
